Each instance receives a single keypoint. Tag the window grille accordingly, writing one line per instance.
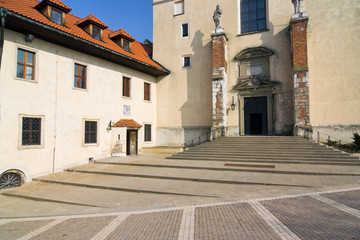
(31, 131)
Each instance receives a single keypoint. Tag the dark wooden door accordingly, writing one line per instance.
(255, 114)
(132, 142)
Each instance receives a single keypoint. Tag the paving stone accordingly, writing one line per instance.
(311, 219)
(233, 221)
(76, 228)
(350, 198)
(15, 230)
(157, 226)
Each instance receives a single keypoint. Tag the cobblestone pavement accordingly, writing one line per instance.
(324, 215)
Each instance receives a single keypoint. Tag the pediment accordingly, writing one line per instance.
(255, 82)
(256, 52)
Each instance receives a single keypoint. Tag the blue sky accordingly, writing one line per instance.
(134, 16)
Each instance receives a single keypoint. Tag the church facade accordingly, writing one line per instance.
(278, 65)
(73, 91)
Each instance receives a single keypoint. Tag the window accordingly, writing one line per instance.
(96, 32)
(126, 87)
(126, 45)
(147, 91)
(179, 8)
(253, 15)
(186, 62)
(25, 65)
(80, 76)
(56, 16)
(31, 131)
(185, 30)
(147, 136)
(90, 132)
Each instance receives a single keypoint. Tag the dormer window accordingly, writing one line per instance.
(122, 38)
(55, 11)
(56, 16)
(93, 26)
(96, 33)
(126, 45)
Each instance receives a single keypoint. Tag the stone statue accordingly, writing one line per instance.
(297, 6)
(217, 17)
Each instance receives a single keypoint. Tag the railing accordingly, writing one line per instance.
(206, 137)
(308, 133)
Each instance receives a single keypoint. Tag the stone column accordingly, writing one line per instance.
(300, 70)
(219, 79)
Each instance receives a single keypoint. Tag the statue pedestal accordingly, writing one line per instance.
(218, 31)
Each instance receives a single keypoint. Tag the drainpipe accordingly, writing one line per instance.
(3, 13)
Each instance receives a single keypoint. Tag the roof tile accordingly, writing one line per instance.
(121, 32)
(130, 123)
(94, 19)
(26, 8)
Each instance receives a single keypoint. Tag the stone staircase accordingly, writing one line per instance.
(228, 169)
(267, 149)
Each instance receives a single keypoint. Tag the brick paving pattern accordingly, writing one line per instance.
(235, 221)
(350, 198)
(311, 219)
(15, 230)
(75, 229)
(157, 226)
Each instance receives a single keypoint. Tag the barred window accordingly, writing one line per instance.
(80, 76)
(147, 91)
(90, 132)
(147, 132)
(253, 15)
(25, 64)
(31, 131)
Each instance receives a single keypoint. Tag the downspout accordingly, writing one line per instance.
(3, 13)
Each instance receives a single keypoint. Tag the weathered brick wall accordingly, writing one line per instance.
(300, 71)
(299, 44)
(219, 52)
(219, 102)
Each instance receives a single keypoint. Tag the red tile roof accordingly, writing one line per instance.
(121, 32)
(130, 123)
(26, 8)
(92, 18)
(60, 4)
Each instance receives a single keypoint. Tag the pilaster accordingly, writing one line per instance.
(300, 70)
(219, 78)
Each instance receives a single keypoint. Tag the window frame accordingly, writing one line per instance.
(240, 22)
(21, 146)
(85, 142)
(147, 91)
(182, 10)
(96, 37)
(147, 134)
(80, 77)
(25, 65)
(182, 24)
(126, 87)
(57, 11)
(184, 61)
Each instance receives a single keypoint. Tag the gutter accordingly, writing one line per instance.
(3, 13)
(25, 19)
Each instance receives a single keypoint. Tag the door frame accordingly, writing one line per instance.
(128, 140)
(241, 102)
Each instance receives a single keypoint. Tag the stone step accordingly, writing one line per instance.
(245, 167)
(264, 160)
(220, 155)
(269, 155)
